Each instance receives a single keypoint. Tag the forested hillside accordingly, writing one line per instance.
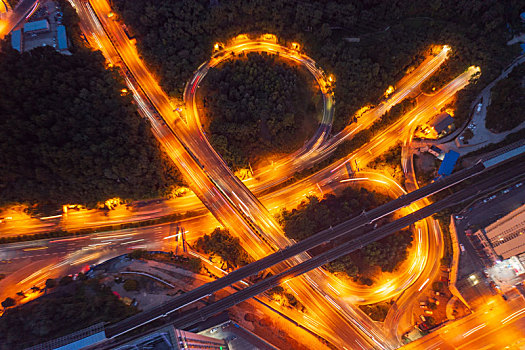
(68, 134)
(507, 102)
(314, 215)
(176, 37)
(257, 106)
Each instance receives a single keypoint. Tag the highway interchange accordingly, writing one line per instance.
(241, 206)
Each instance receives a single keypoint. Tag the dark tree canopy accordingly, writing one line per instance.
(507, 102)
(176, 37)
(222, 243)
(315, 215)
(256, 105)
(69, 308)
(69, 135)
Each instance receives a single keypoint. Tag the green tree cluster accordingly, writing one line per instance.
(387, 254)
(390, 162)
(8, 302)
(364, 136)
(256, 106)
(68, 308)
(507, 102)
(391, 157)
(377, 312)
(131, 285)
(69, 135)
(221, 243)
(175, 37)
(314, 215)
(290, 298)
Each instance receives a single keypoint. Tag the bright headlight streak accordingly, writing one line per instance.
(355, 179)
(423, 285)
(473, 330)
(513, 316)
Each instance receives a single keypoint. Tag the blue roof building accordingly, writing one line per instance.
(16, 40)
(62, 38)
(448, 163)
(43, 24)
(522, 16)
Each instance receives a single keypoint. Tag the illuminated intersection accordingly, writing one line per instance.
(241, 207)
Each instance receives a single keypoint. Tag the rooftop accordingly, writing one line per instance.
(16, 40)
(507, 235)
(62, 38)
(43, 24)
(441, 122)
(448, 163)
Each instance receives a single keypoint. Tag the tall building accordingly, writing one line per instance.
(170, 338)
(506, 237)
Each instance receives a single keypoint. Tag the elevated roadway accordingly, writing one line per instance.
(477, 188)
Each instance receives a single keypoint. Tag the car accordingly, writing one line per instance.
(429, 312)
(478, 109)
(519, 184)
(459, 217)
(506, 191)
(423, 326)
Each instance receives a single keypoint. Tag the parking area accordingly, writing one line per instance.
(479, 215)
(45, 37)
(477, 277)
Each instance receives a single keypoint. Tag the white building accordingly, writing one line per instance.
(505, 237)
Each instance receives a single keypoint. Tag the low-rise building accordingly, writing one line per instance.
(436, 151)
(442, 123)
(62, 38)
(448, 163)
(36, 26)
(16, 40)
